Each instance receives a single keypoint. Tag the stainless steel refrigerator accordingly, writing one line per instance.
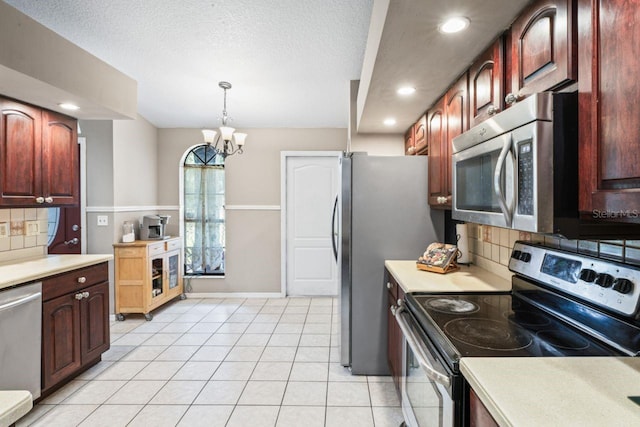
(384, 214)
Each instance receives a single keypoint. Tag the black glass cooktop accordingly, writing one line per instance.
(497, 325)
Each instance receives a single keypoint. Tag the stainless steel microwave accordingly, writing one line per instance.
(518, 169)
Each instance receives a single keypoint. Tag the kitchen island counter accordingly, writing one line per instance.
(32, 269)
(557, 391)
(469, 278)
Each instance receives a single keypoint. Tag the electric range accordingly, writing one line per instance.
(561, 304)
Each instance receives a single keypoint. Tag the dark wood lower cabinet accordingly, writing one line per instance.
(60, 339)
(394, 334)
(479, 415)
(75, 325)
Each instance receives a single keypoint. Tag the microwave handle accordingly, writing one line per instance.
(426, 361)
(497, 188)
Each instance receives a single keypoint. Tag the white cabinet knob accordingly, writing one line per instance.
(82, 279)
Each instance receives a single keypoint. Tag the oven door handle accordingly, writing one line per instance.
(424, 358)
(497, 186)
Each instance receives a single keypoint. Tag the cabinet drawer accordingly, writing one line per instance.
(156, 248)
(173, 244)
(74, 280)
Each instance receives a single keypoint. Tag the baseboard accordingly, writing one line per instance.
(235, 295)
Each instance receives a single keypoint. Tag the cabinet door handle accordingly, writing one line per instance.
(85, 294)
(40, 199)
(79, 296)
(82, 279)
(389, 285)
(492, 110)
(48, 199)
(511, 98)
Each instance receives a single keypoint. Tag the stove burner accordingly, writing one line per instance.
(487, 334)
(527, 318)
(563, 340)
(452, 305)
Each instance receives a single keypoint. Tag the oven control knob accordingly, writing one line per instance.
(525, 257)
(516, 254)
(588, 275)
(605, 280)
(624, 286)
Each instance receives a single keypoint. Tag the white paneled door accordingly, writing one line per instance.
(312, 184)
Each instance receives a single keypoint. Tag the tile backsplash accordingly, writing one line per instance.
(22, 238)
(490, 247)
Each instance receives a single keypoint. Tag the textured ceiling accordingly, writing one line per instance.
(290, 61)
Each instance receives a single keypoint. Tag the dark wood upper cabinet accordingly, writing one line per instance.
(409, 146)
(609, 116)
(20, 148)
(447, 119)
(38, 157)
(457, 120)
(486, 81)
(420, 135)
(543, 48)
(60, 162)
(436, 136)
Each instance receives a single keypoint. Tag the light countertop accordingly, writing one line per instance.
(557, 391)
(13, 406)
(469, 278)
(32, 269)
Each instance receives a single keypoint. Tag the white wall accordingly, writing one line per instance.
(122, 178)
(135, 163)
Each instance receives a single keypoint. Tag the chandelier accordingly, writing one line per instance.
(232, 141)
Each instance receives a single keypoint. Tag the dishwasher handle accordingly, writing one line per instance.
(426, 361)
(20, 301)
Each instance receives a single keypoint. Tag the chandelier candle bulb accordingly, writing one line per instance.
(239, 138)
(209, 136)
(226, 132)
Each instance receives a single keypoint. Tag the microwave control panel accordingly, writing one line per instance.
(525, 178)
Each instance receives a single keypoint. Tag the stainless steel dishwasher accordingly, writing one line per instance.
(20, 338)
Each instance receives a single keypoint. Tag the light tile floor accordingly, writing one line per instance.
(224, 362)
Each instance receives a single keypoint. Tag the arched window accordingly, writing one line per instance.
(204, 222)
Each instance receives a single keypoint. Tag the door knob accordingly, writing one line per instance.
(39, 199)
(48, 199)
(75, 227)
(492, 110)
(79, 296)
(82, 279)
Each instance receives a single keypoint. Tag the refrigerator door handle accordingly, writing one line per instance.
(334, 234)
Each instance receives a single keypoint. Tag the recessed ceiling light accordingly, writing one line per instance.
(406, 90)
(389, 121)
(454, 24)
(69, 106)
